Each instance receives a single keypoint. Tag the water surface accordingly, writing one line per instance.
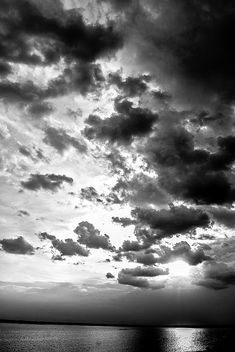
(67, 338)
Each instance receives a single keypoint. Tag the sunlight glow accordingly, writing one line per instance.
(179, 268)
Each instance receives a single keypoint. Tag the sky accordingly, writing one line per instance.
(117, 161)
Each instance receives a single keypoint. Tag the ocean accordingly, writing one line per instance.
(74, 338)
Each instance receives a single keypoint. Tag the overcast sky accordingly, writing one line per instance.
(117, 161)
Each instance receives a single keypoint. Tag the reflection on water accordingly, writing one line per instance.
(185, 339)
(62, 338)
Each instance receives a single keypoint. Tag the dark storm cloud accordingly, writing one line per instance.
(224, 216)
(50, 182)
(91, 237)
(81, 77)
(217, 275)
(67, 36)
(110, 276)
(191, 173)
(182, 250)
(5, 69)
(188, 45)
(121, 128)
(17, 246)
(40, 109)
(131, 86)
(15, 92)
(60, 140)
(171, 221)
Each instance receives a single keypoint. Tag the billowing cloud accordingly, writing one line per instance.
(122, 127)
(141, 190)
(50, 182)
(67, 247)
(171, 221)
(191, 173)
(224, 216)
(131, 86)
(217, 275)
(17, 246)
(71, 38)
(135, 246)
(91, 237)
(123, 221)
(182, 250)
(110, 276)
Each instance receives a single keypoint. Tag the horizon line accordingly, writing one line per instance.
(42, 322)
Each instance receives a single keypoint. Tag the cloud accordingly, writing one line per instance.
(61, 141)
(110, 276)
(23, 213)
(176, 220)
(145, 258)
(68, 247)
(33, 153)
(121, 128)
(70, 38)
(186, 45)
(90, 194)
(46, 236)
(50, 182)
(131, 86)
(134, 246)
(5, 69)
(191, 173)
(182, 250)
(91, 237)
(40, 109)
(150, 271)
(217, 275)
(123, 221)
(140, 189)
(57, 257)
(223, 216)
(17, 246)
(134, 277)
(15, 92)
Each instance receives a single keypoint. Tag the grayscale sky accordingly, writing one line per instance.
(117, 161)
